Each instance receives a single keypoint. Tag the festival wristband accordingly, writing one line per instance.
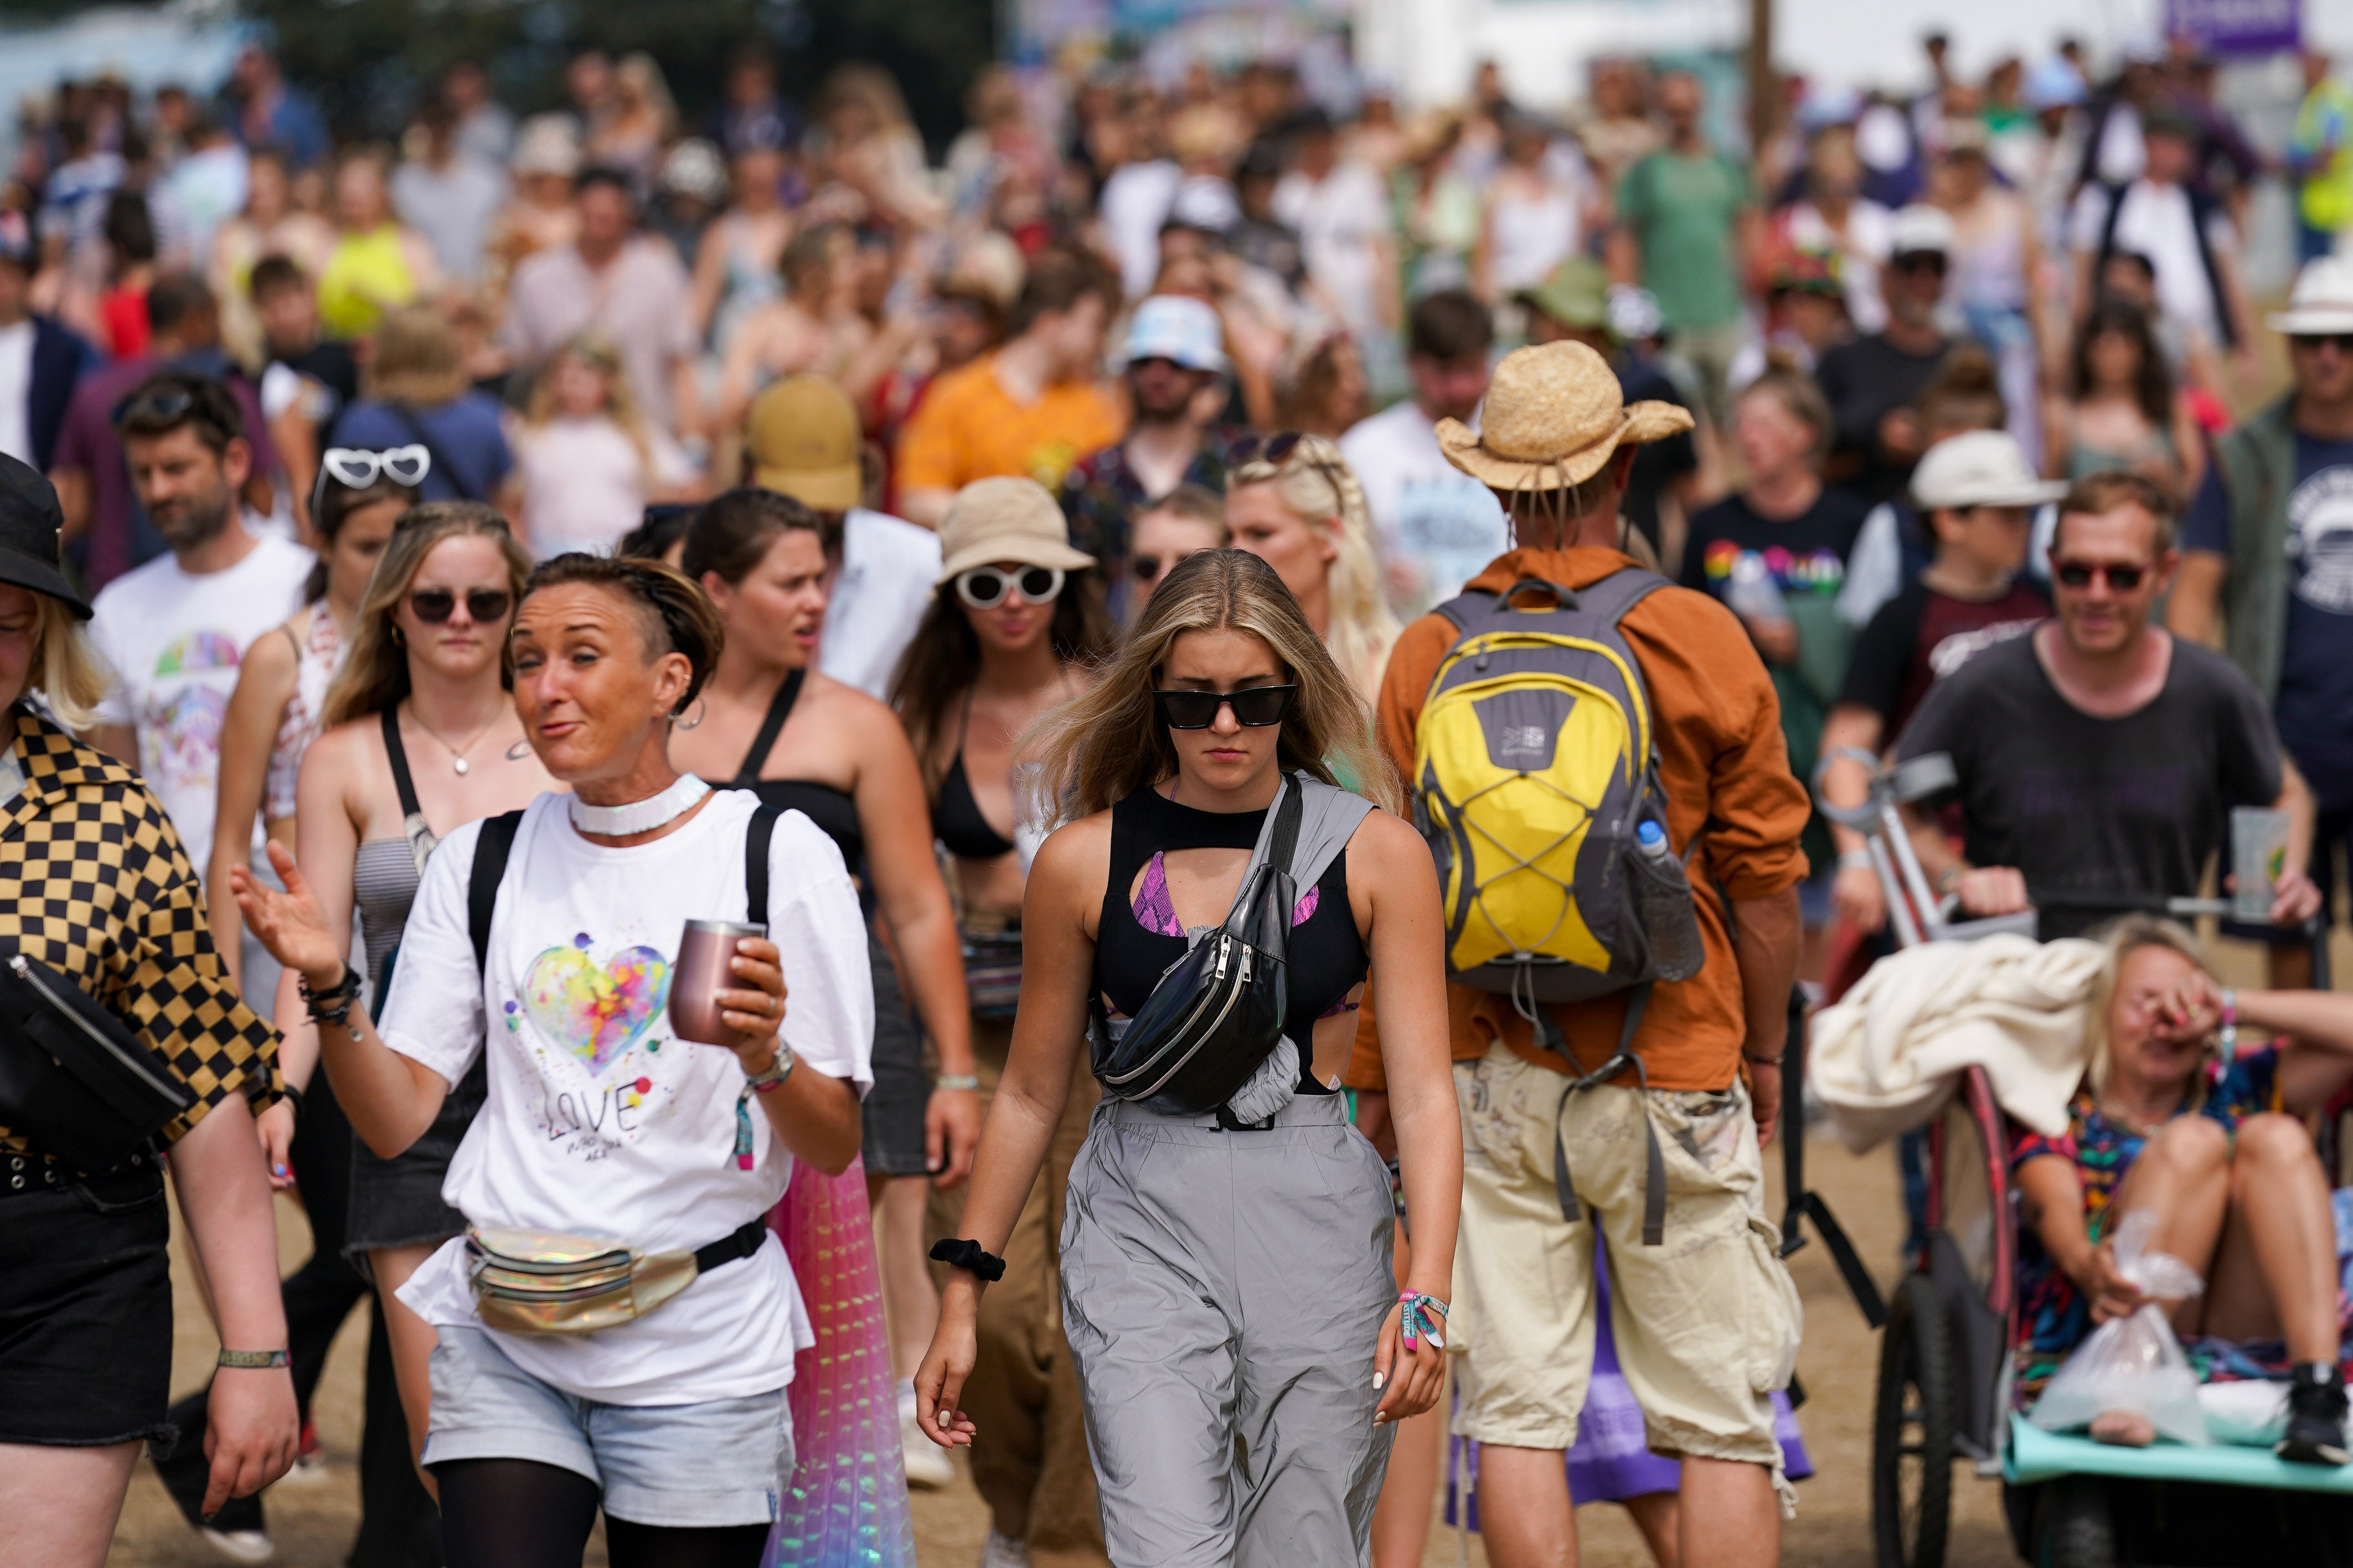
(960, 1081)
(1419, 1315)
(251, 1358)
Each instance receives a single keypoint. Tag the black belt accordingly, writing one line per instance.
(745, 1242)
(22, 1175)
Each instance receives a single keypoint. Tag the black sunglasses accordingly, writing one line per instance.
(1922, 261)
(1255, 707)
(1276, 448)
(2079, 575)
(435, 605)
(2319, 340)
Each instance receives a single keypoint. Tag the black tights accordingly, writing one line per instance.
(520, 1513)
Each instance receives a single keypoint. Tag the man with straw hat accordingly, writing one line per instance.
(1706, 1325)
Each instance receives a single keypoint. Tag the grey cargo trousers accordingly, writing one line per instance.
(1222, 1293)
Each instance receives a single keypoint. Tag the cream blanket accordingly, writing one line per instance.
(1884, 1059)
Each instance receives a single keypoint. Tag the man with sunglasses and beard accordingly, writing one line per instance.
(1873, 382)
(2099, 757)
(174, 630)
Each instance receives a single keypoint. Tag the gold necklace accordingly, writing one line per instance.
(457, 753)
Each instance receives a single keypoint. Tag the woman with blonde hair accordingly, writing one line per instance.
(95, 888)
(813, 327)
(1226, 1274)
(415, 392)
(1293, 502)
(421, 736)
(587, 462)
(2180, 1117)
(644, 119)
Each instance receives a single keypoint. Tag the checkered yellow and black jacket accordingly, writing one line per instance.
(94, 883)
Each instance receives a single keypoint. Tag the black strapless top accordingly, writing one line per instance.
(834, 811)
(1326, 960)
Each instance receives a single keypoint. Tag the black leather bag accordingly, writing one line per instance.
(73, 1080)
(1218, 1012)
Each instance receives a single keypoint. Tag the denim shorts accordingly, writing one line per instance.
(721, 1462)
(85, 1305)
(397, 1202)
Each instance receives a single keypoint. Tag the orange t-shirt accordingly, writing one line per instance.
(1727, 780)
(969, 428)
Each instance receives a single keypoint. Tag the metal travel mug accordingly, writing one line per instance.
(704, 950)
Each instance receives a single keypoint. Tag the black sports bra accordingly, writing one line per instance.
(957, 818)
(1327, 956)
(834, 811)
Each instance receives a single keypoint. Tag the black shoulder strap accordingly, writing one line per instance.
(1285, 845)
(2108, 245)
(394, 749)
(756, 835)
(780, 707)
(2203, 208)
(490, 852)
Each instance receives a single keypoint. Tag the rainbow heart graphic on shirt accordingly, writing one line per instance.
(595, 1011)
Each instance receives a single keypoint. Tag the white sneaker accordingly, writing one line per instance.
(239, 1545)
(1003, 1551)
(309, 1470)
(927, 1463)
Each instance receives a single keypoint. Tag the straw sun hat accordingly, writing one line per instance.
(1552, 418)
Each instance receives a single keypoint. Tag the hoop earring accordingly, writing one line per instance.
(701, 712)
(398, 640)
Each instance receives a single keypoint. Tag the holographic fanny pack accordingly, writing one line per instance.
(552, 1283)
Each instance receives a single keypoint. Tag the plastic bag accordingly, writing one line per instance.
(2132, 1364)
(2251, 1413)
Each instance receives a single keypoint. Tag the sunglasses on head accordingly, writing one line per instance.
(1151, 568)
(355, 467)
(2079, 575)
(985, 587)
(485, 606)
(2315, 341)
(1255, 707)
(1275, 448)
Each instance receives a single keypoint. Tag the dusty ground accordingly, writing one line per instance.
(313, 1519)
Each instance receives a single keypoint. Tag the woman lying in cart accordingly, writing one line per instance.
(2176, 1116)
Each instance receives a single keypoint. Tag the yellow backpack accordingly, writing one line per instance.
(1536, 785)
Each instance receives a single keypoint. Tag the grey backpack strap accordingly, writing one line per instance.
(1614, 595)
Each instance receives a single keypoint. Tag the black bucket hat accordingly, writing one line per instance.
(30, 524)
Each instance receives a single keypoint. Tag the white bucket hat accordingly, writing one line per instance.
(1981, 467)
(2322, 301)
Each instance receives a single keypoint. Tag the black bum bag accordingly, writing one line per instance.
(1216, 1012)
(73, 1080)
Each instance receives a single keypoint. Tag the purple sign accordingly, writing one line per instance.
(2237, 26)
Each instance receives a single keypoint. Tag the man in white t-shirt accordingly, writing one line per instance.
(802, 441)
(175, 629)
(1341, 214)
(2189, 241)
(1437, 527)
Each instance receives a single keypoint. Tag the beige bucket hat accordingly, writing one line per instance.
(1006, 519)
(1553, 416)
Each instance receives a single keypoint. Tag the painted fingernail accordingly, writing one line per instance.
(1380, 1417)
(278, 1170)
(1379, 1379)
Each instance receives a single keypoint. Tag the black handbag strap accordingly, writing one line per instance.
(780, 707)
(398, 755)
(757, 833)
(1282, 845)
(491, 853)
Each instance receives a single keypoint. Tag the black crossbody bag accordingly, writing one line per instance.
(73, 1078)
(1218, 1012)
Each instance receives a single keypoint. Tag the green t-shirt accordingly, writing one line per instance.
(1683, 211)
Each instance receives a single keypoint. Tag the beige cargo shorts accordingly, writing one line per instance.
(1706, 1324)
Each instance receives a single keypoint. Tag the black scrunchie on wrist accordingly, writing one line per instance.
(968, 1256)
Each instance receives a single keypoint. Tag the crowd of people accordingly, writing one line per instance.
(967, 582)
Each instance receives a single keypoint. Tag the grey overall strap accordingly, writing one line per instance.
(1654, 1175)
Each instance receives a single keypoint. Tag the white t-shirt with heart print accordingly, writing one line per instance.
(598, 1121)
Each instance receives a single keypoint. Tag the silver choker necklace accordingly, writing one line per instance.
(640, 815)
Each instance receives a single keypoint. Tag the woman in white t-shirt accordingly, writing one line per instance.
(586, 461)
(601, 1122)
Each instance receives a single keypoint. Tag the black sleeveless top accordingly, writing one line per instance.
(1327, 956)
(834, 811)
